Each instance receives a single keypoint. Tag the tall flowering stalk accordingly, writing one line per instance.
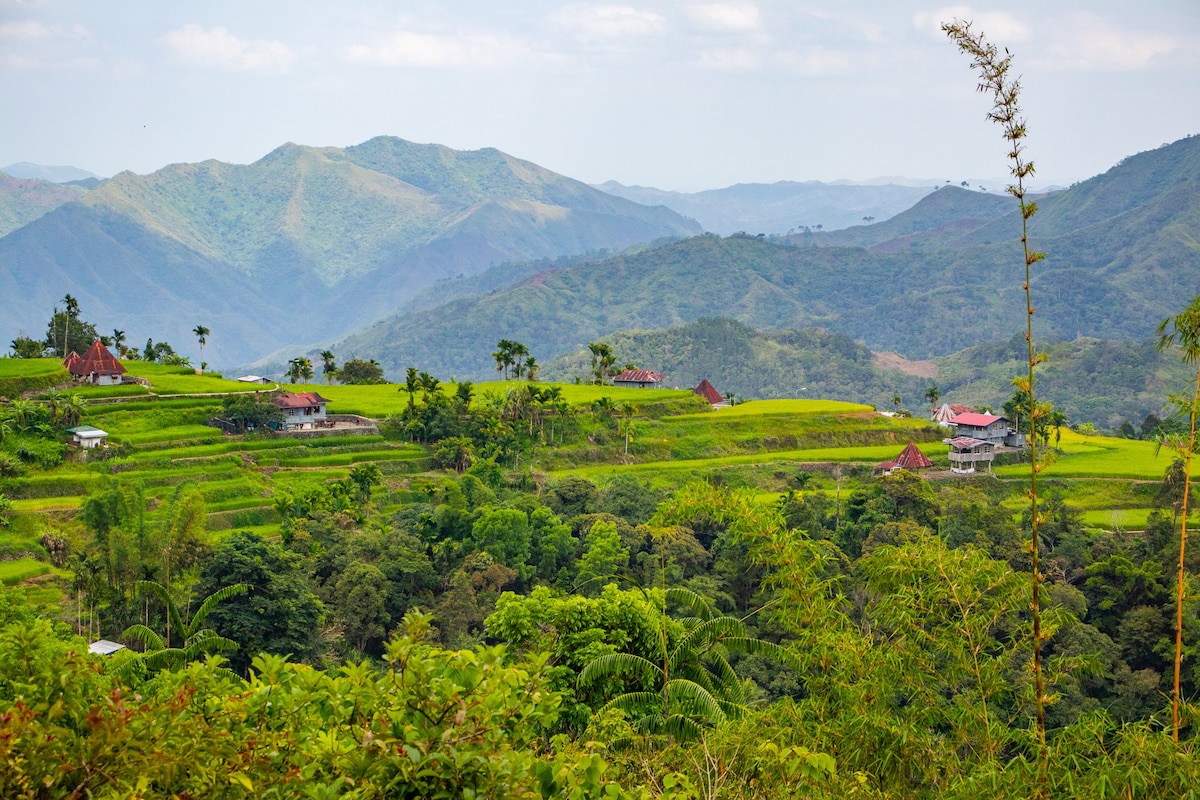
(996, 80)
(1182, 331)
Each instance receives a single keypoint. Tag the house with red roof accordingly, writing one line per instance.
(97, 366)
(710, 394)
(989, 428)
(302, 411)
(640, 379)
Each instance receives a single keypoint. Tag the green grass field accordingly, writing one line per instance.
(1101, 456)
(761, 408)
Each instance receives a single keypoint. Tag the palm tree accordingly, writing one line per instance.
(932, 394)
(72, 312)
(55, 400)
(118, 340)
(189, 639)
(300, 369)
(517, 358)
(531, 368)
(428, 384)
(694, 686)
(412, 382)
(71, 411)
(328, 366)
(504, 356)
(465, 392)
(202, 337)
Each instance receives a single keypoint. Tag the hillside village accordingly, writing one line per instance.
(476, 480)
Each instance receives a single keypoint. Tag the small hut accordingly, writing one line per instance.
(910, 458)
(710, 393)
(97, 366)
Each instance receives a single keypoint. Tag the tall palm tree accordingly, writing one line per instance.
(118, 340)
(932, 394)
(202, 337)
(182, 640)
(531, 368)
(412, 382)
(328, 366)
(72, 307)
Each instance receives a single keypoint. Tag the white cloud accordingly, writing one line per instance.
(730, 59)
(610, 21)
(816, 61)
(998, 25)
(24, 31)
(734, 17)
(219, 49)
(1085, 42)
(409, 49)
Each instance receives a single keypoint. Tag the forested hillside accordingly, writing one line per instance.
(1094, 380)
(933, 281)
(305, 243)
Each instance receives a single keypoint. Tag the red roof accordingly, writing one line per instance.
(97, 360)
(975, 420)
(912, 458)
(299, 400)
(959, 408)
(71, 360)
(640, 376)
(709, 392)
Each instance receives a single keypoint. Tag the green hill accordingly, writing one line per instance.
(22, 200)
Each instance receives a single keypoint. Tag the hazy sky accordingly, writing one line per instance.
(670, 93)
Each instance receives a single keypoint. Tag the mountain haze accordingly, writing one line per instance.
(779, 207)
(304, 244)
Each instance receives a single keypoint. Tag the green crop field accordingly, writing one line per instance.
(758, 408)
(1101, 456)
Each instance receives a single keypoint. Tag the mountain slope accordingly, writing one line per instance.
(304, 244)
(941, 277)
(22, 200)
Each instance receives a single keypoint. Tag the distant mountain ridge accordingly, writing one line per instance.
(940, 277)
(22, 200)
(41, 172)
(304, 244)
(780, 207)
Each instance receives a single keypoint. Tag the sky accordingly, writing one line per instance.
(677, 94)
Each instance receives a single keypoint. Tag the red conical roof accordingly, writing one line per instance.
(709, 392)
(97, 360)
(912, 458)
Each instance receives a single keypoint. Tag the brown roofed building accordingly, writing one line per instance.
(301, 410)
(97, 366)
(640, 379)
(910, 458)
(710, 393)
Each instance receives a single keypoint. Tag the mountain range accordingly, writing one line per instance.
(780, 207)
(304, 244)
(940, 277)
